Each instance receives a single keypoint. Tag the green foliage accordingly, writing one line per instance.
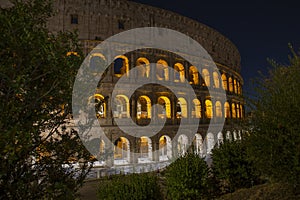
(275, 123)
(188, 178)
(232, 166)
(36, 79)
(134, 186)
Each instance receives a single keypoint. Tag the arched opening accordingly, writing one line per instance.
(239, 87)
(121, 66)
(220, 138)
(238, 111)
(100, 105)
(227, 110)
(235, 86)
(182, 144)
(143, 107)
(230, 82)
(165, 109)
(224, 81)
(162, 72)
(218, 109)
(181, 108)
(196, 109)
(165, 148)
(121, 151)
(97, 60)
(198, 145)
(216, 80)
(233, 110)
(206, 77)
(179, 73)
(145, 150)
(121, 107)
(242, 111)
(208, 109)
(210, 142)
(193, 75)
(143, 67)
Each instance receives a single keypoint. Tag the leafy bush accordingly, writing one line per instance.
(134, 186)
(188, 178)
(232, 166)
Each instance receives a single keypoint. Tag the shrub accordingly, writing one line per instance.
(232, 166)
(134, 186)
(188, 178)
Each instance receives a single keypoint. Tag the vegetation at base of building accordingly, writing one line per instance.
(274, 126)
(273, 191)
(188, 178)
(232, 166)
(133, 186)
(36, 79)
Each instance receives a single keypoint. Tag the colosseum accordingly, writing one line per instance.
(97, 21)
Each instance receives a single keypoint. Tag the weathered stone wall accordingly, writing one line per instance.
(99, 19)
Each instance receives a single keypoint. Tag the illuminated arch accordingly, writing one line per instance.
(233, 110)
(218, 109)
(227, 110)
(216, 80)
(121, 109)
(181, 108)
(145, 149)
(206, 77)
(193, 75)
(182, 144)
(210, 142)
(198, 145)
(162, 71)
(165, 148)
(121, 151)
(96, 60)
(224, 81)
(230, 82)
(196, 109)
(239, 87)
(143, 67)
(100, 105)
(238, 111)
(242, 111)
(179, 73)
(235, 86)
(165, 111)
(220, 138)
(144, 107)
(121, 66)
(208, 109)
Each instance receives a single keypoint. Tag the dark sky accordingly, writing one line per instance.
(259, 29)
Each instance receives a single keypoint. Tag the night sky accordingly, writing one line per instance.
(259, 29)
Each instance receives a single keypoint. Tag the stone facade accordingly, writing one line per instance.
(99, 19)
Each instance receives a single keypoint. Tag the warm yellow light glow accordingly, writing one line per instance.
(216, 80)
(233, 110)
(218, 109)
(162, 72)
(206, 77)
(166, 111)
(179, 73)
(194, 75)
(183, 106)
(125, 67)
(122, 107)
(230, 84)
(227, 110)
(196, 112)
(143, 66)
(144, 107)
(209, 109)
(224, 81)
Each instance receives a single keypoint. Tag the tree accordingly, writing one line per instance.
(232, 166)
(275, 123)
(36, 78)
(188, 178)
